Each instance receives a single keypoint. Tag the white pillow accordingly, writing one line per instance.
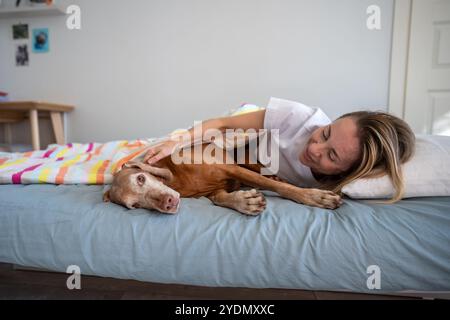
(426, 174)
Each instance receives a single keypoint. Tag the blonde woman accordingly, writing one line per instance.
(318, 153)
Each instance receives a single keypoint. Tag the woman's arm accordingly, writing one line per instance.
(251, 120)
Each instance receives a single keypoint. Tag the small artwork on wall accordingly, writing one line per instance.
(20, 31)
(22, 56)
(41, 40)
(41, 2)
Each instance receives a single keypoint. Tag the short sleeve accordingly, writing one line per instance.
(288, 115)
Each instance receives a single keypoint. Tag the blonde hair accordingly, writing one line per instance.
(385, 143)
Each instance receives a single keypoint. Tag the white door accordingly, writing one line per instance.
(427, 96)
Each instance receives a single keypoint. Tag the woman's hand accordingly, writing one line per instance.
(160, 151)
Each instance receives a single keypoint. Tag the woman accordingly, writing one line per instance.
(315, 152)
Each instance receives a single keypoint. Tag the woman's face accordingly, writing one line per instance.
(332, 149)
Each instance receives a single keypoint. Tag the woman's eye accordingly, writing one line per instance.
(141, 179)
(324, 135)
(331, 157)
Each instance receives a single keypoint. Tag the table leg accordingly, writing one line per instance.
(8, 134)
(58, 127)
(34, 121)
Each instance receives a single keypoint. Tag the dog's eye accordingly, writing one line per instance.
(136, 205)
(141, 179)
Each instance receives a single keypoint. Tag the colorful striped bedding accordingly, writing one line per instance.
(92, 163)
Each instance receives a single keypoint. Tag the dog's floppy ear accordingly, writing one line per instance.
(106, 196)
(158, 172)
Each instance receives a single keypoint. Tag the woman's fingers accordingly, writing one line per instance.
(157, 157)
(155, 154)
(151, 155)
(160, 151)
(148, 155)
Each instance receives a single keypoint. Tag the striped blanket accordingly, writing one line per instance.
(92, 163)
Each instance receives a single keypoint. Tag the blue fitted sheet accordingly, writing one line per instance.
(288, 246)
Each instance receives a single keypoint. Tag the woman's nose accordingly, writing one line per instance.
(316, 149)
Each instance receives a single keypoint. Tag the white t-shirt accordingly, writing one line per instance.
(295, 122)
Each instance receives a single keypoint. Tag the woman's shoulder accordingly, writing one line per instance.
(282, 112)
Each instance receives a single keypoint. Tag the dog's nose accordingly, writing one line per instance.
(170, 202)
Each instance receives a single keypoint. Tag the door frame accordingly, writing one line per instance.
(401, 34)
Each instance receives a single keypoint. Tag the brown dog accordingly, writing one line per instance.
(160, 186)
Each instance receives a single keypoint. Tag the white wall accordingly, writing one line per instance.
(141, 68)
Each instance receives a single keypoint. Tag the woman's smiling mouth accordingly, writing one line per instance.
(308, 157)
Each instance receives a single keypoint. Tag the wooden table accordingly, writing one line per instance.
(15, 111)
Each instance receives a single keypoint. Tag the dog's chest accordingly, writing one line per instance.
(199, 180)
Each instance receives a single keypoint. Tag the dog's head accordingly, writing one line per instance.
(140, 185)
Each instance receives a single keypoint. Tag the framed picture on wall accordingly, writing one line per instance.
(20, 31)
(41, 2)
(22, 56)
(41, 40)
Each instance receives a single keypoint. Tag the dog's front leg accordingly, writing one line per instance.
(312, 197)
(249, 202)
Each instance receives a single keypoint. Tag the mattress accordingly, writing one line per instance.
(288, 246)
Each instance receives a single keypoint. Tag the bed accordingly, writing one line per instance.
(289, 245)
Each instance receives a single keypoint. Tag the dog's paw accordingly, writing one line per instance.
(251, 202)
(321, 198)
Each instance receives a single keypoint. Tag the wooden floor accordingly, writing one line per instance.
(15, 284)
